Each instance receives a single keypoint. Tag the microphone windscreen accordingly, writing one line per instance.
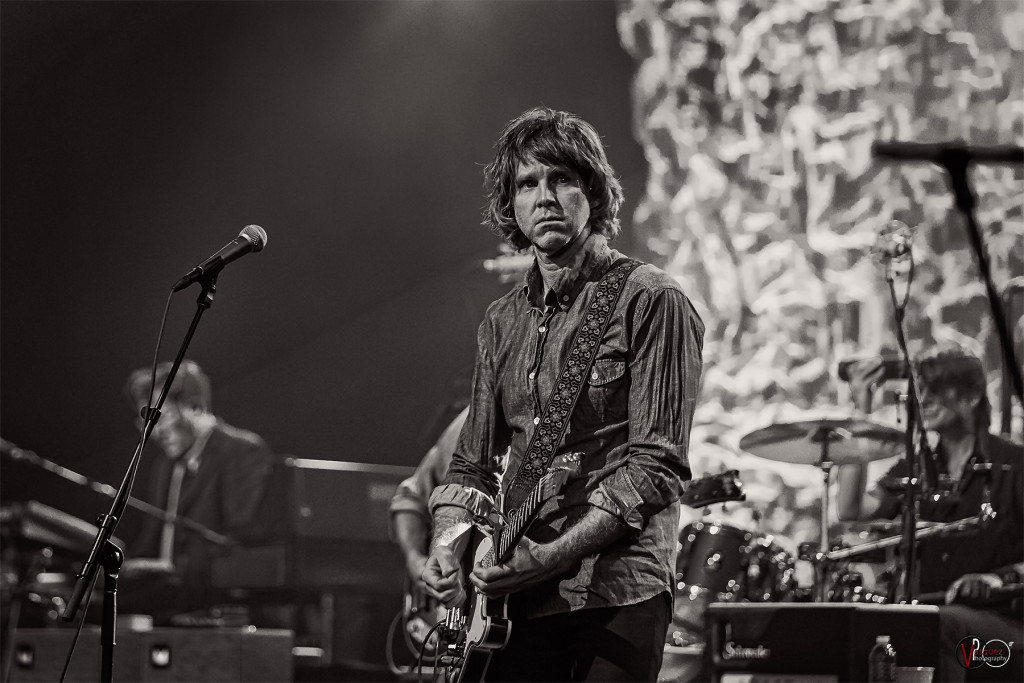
(256, 235)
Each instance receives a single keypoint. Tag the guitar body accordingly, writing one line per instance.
(487, 625)
(475, 633)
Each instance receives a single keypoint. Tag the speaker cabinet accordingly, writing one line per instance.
(818, 641)
(166, 654)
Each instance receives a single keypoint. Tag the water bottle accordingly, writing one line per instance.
(882, 661)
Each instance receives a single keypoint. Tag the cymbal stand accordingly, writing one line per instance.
(824, 435)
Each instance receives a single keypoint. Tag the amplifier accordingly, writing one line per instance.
(182, 655)
(813, 641)
(336, 531)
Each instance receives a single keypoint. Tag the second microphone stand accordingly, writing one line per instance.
(914, 430)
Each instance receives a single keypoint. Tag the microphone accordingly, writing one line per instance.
(893, 242)
(939, 153)
(252, 238)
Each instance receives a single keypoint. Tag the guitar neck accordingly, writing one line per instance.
(513, 531)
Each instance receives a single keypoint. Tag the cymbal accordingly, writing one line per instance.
(850, 441)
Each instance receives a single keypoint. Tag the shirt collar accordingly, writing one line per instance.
(569, 281)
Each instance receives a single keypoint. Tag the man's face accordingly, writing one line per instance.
(551, 207)
(944, 408)
(175, 432)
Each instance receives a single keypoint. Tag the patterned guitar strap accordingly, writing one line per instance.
(555, 418)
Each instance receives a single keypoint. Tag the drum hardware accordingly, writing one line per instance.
(723, 487)
(844, 590)
(848, 586)
(932, 529)
(824, 443)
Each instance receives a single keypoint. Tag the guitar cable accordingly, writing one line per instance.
(436, 660)
(413, 649)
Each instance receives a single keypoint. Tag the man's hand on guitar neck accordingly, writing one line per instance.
(531, 563)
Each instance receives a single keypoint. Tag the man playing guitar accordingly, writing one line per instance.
(589, 583)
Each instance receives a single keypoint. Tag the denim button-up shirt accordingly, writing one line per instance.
(631, 424)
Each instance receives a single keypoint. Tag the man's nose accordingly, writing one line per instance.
(545, 194)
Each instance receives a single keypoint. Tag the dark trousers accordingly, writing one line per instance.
(600, 644)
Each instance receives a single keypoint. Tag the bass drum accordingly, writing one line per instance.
(722, 563)
(770, 572)
(710, 567)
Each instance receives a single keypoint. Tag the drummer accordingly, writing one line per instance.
(969, 464)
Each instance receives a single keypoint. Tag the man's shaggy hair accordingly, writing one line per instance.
(555, 138)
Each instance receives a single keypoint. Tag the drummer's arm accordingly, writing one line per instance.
(854, 501)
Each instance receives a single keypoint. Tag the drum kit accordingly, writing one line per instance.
(718, 562)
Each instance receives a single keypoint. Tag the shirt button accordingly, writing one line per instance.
(532, 375)
(565, 297)
(542, 329)
(536, 420)
(594, 376)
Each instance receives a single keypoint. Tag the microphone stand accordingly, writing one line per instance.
(105, 552)
(914, 420)
(955, 160)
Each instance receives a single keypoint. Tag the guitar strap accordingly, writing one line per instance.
(555, 418)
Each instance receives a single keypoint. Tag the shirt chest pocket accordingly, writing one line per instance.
(606, 397)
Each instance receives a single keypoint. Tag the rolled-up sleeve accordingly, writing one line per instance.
(485, 434)
(475, 501)
(665, 366)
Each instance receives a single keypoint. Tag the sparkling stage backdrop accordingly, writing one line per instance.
(757, 119)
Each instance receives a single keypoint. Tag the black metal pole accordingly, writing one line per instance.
(956, 161)
(913, 422)
(111, 559)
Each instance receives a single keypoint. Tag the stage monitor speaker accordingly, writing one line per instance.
(813, 641)
(342, 500)
(185, 655)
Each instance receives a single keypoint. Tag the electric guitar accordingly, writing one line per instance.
(472, 634)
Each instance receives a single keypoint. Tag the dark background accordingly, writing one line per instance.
(139, 138)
